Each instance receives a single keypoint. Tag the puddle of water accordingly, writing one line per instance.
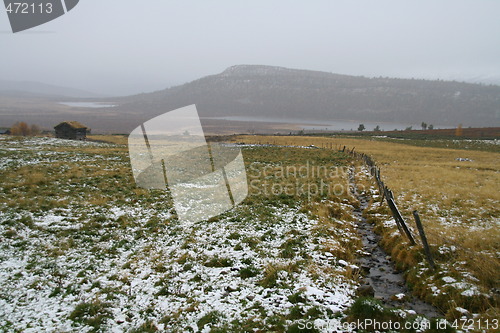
(88, 104)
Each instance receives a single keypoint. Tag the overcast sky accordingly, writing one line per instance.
(124, 46)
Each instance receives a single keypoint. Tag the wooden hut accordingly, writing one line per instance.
(71, 130)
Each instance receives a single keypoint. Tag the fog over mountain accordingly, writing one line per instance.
(292, 97)
(276, 92)
(31, 89)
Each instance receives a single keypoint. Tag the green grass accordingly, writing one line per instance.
(211, 318)
(418, 139)
(249, 272)
(93, 314)
(90, 234)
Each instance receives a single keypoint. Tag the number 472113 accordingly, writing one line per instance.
(481, 324)
(29, 8)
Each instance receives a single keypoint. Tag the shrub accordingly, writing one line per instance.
(93, 314)
(23, 129)
(248, 272)
(212, 317)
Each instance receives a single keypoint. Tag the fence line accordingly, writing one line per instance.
(391, 203)
(388, 196)
(403, 229)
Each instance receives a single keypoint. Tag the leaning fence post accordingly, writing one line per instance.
(427, 250)
(382, 186)
(398, 216)
(387, 195)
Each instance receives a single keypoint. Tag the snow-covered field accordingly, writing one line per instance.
(82, 249)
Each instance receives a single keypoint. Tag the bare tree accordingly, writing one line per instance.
(23, 129)
(20, 129)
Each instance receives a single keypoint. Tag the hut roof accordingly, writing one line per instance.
(72, 124)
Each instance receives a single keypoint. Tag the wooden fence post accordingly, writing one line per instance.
(427, 250)
(387, 193)
(397, 216)
(382, 189)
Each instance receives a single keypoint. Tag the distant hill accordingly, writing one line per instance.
(265, 91)
(37, 89)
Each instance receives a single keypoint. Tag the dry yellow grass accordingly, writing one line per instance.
(116, 139)
(458, 200)
(429, 179)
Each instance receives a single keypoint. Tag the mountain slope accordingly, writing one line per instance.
(37, 89)
(265, 91)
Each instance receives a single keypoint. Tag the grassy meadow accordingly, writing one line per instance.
(456, 194)
(83, 249)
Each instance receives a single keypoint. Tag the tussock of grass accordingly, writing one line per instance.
(248, 272)
(147, 327)
(90, 313)
(333, 220)
(212, 318)
(217, 261)
(272, 273)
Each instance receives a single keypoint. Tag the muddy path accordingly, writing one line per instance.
(387, 284)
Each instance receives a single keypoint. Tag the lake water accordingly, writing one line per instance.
(93, 105)
(328, 125)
